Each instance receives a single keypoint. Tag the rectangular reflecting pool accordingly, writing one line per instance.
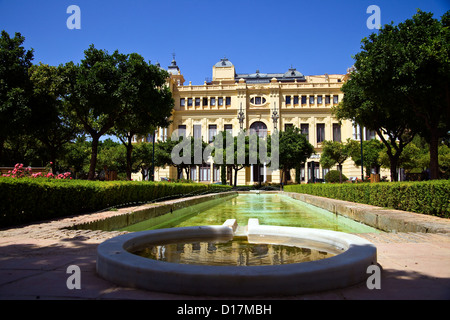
(270, 209)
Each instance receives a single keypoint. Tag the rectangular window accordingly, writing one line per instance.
(327, 99)
(311, 99)
(303, 99)
(288, 125)
(335, 99)
(212, 132)
(205, 102)
(257, 100)
(216, 173)
(182, 102)
(229, 128)
(205, 171)
(320, 132)
(370, 134)
(182, 130)
(197, 131)
(295, 100)
(319, 99)
(304, 128)
(336, 132)
(193, 173)
(288, 100)
(189, 102)
(228, 101)
(220, 101)
(197, 102)
(213, 101)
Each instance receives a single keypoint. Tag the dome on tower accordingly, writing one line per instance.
(223, 63)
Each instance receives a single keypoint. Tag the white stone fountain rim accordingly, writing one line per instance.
(116, 264)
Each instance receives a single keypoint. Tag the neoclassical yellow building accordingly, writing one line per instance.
(233, 101)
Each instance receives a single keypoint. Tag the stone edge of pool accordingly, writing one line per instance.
(114, 220)
(384, 219)
(388, 220)
(115, 263)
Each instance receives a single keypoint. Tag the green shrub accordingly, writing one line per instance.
(333, 176)
(27, 200)
(427, 197)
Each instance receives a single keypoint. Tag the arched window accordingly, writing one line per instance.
(259, 128)
(258, 100)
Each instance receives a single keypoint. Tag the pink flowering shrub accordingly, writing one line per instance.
(20, 172)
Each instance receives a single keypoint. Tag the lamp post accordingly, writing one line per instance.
(241, 117)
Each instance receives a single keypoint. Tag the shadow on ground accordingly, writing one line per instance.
(37, 269)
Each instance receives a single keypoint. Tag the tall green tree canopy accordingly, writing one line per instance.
(51, 122)
(148, 102)
(93, 91)
(423, 77)
(401, 85)
(15, 86)
(294, 149)
(105, 90)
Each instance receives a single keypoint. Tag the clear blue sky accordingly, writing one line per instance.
(316, 37)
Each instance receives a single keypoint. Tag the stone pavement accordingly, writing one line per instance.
(34, 261)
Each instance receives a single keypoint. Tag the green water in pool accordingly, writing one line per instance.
(270, 209)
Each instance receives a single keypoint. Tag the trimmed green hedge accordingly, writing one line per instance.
(427, 197)
(28, 200)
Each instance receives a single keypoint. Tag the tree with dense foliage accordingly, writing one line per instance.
(400, 85)
(294, 149)
(148, 100)
(15, 87)
(51, 123)
(93, 92)
(143, 158)
(111, 157)
(238, 152)
(77, 155)
(188, 151)
(334, 152)
(422, 77)
(105, 89)
(371, 154)
(383, 114)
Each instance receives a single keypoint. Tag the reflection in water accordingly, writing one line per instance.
(274, 209)
(269, 209)
(236, 252)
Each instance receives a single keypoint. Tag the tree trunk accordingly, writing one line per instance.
(235, 176)
(93, 162)
(434, 156)
(53, 161)
(340, 172)
(393, 161)
(2, 143)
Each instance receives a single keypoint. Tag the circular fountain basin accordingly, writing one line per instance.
(117, 263)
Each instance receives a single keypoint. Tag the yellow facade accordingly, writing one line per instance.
(301, 101)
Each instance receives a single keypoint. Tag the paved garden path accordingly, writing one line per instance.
(34, 261)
